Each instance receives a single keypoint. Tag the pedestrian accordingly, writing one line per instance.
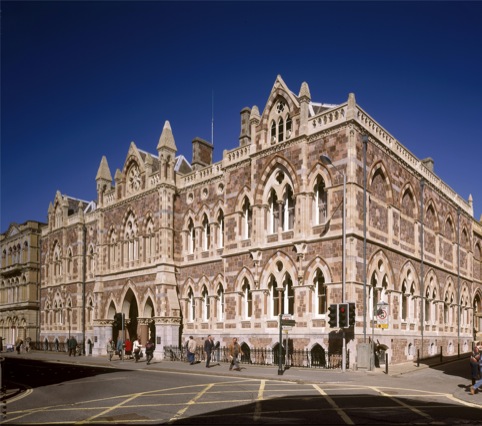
(234, 351)
(18, 345)
(128, 348)
(191, 350)
(475, 387)
(474, 364)
(137, 349)
(110, 348)
(119, 347)
(216, 351)
(72, 345)
(208, 348)
(150, 351)
(27, 344)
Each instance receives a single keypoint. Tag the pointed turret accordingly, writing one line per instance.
(351, 107)
(305, 99)
(103, 179)
(167, 139)
(304, 92)
(104, 172)
(166, 149)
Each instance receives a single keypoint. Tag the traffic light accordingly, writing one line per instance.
(351, 313)
(343, 315)
(333, 316)
(117, 320)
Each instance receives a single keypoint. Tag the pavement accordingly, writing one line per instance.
(383, 376)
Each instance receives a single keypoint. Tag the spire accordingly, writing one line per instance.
(167, 139)
(254, 116)
(104, 171)
(305, 92)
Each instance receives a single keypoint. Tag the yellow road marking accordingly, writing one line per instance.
(340, 412)
(191, 402)
(257, 408)
(403, 404)
(134, 396)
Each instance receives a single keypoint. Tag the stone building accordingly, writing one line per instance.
(20, 282)
(224, 248)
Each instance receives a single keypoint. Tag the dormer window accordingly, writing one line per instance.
(281, 126)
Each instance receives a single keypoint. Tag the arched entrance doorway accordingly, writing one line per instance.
(131, 311)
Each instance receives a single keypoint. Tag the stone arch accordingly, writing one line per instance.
(405, 207)
(244, 193)
(203, 210)
(188, 283)
(380, 170)
(380, 264)
(204, 282)
(449, 228)
(268, 177)
(245, 273)
(409, 273)
(130, 308)
(278, 265)
(110, 307)
(431, 219)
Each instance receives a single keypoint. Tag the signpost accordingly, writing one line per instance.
(383, 312)
(286, 322)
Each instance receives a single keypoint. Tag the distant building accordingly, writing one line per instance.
(223, 248)
(20, 282)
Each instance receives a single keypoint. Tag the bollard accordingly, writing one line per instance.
(3, 394)
(418, 357)
(441, 356)
(386, 363)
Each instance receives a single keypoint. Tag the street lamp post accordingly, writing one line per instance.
(422, 289)
(365, 142)
(326, 160)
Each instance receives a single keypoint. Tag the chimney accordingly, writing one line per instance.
(428, 163)
(245, 135)
(202, 153)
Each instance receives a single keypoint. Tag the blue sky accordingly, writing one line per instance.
(80, 80)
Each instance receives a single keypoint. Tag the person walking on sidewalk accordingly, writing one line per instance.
(110, 348)
(137, 349)
(208, 348)
(72, 345)
(475, 388)
(18, 345)
(474, 364)
(191, 350)
(234, 351)
(150, 351)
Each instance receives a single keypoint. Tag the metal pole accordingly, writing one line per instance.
(422, 290)
(326, 160)
(365, 141)
(458, 278)
(84, 264)
(280, 365)
(343, 296)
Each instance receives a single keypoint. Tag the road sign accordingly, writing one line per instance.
(383, 311)
(288, 323)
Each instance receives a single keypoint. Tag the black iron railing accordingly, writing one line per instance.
(264, 356)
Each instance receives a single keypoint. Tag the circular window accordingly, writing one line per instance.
(280, 107)
(220, 188)
(205, 193)
(190, 198)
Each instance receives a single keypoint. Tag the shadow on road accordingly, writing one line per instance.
(32, 373)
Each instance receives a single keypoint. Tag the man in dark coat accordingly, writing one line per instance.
(208, 348)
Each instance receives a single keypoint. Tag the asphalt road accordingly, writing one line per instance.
(121, 393)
